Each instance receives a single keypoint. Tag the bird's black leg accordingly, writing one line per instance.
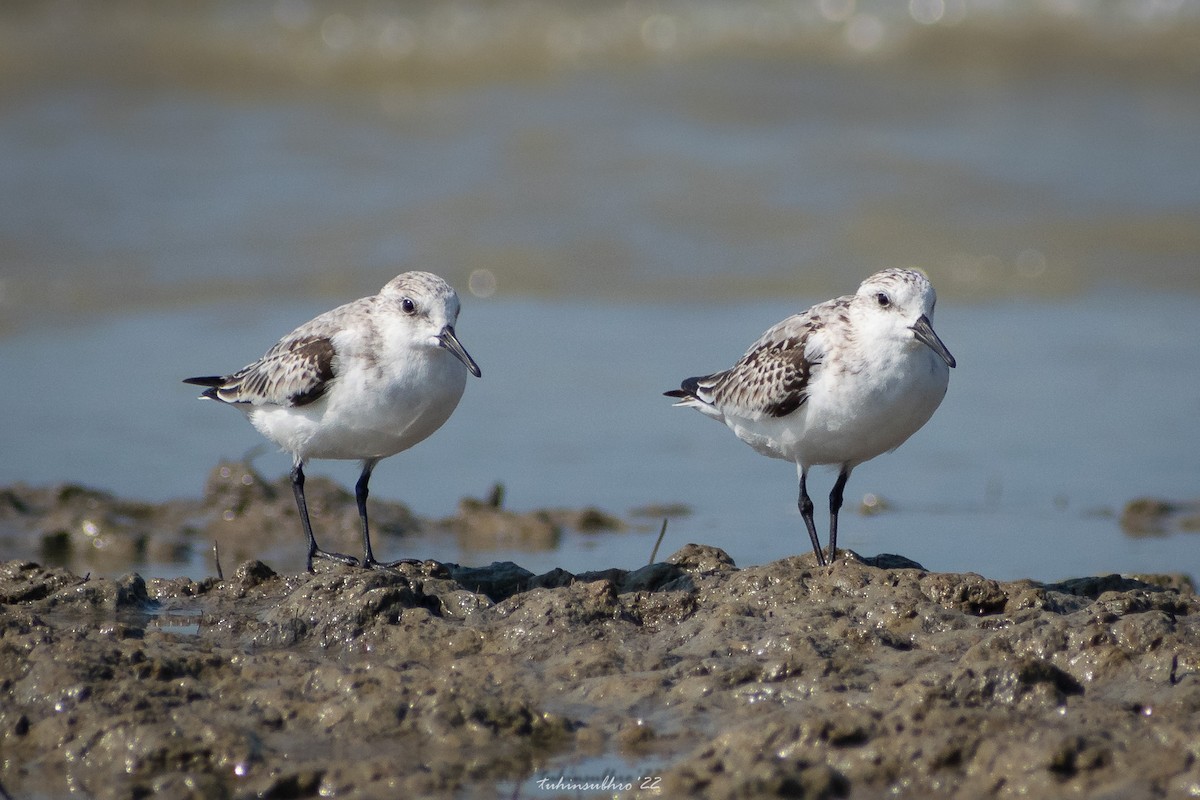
(298, 491)
(313, 550)
(360, 494)
(835, 505)
(806, 511)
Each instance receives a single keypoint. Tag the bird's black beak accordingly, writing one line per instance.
(448, 340)
(925, 335)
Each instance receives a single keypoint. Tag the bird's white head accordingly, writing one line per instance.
(902, 300)
(428, 306)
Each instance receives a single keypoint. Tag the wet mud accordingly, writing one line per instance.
(687, 677)
(244, 516)
(1154, 516)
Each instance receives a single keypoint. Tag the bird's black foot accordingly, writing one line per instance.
(426, 567)
(340, 558)
(416, 562)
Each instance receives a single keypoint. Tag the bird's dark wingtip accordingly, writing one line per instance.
(686, 391)
(213, 382)
(207, 380)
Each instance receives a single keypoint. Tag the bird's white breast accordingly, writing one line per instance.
(859, 415)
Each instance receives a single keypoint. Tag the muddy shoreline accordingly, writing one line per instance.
(686, 677)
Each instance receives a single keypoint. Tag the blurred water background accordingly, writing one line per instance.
(625, 194)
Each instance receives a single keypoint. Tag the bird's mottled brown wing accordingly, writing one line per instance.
(294, 372)
(772, 378)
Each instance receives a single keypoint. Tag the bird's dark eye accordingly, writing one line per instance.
(408, 306)
(884, 300)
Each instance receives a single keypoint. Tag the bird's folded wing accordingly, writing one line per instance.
(772, 378)
(294, 372)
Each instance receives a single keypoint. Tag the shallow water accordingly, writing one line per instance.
(625, 195)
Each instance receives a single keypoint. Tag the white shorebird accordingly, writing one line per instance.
(361, 382)
(836, 385)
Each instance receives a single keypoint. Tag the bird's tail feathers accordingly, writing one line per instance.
(688, 393)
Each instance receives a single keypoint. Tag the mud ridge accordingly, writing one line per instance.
(872, 677)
